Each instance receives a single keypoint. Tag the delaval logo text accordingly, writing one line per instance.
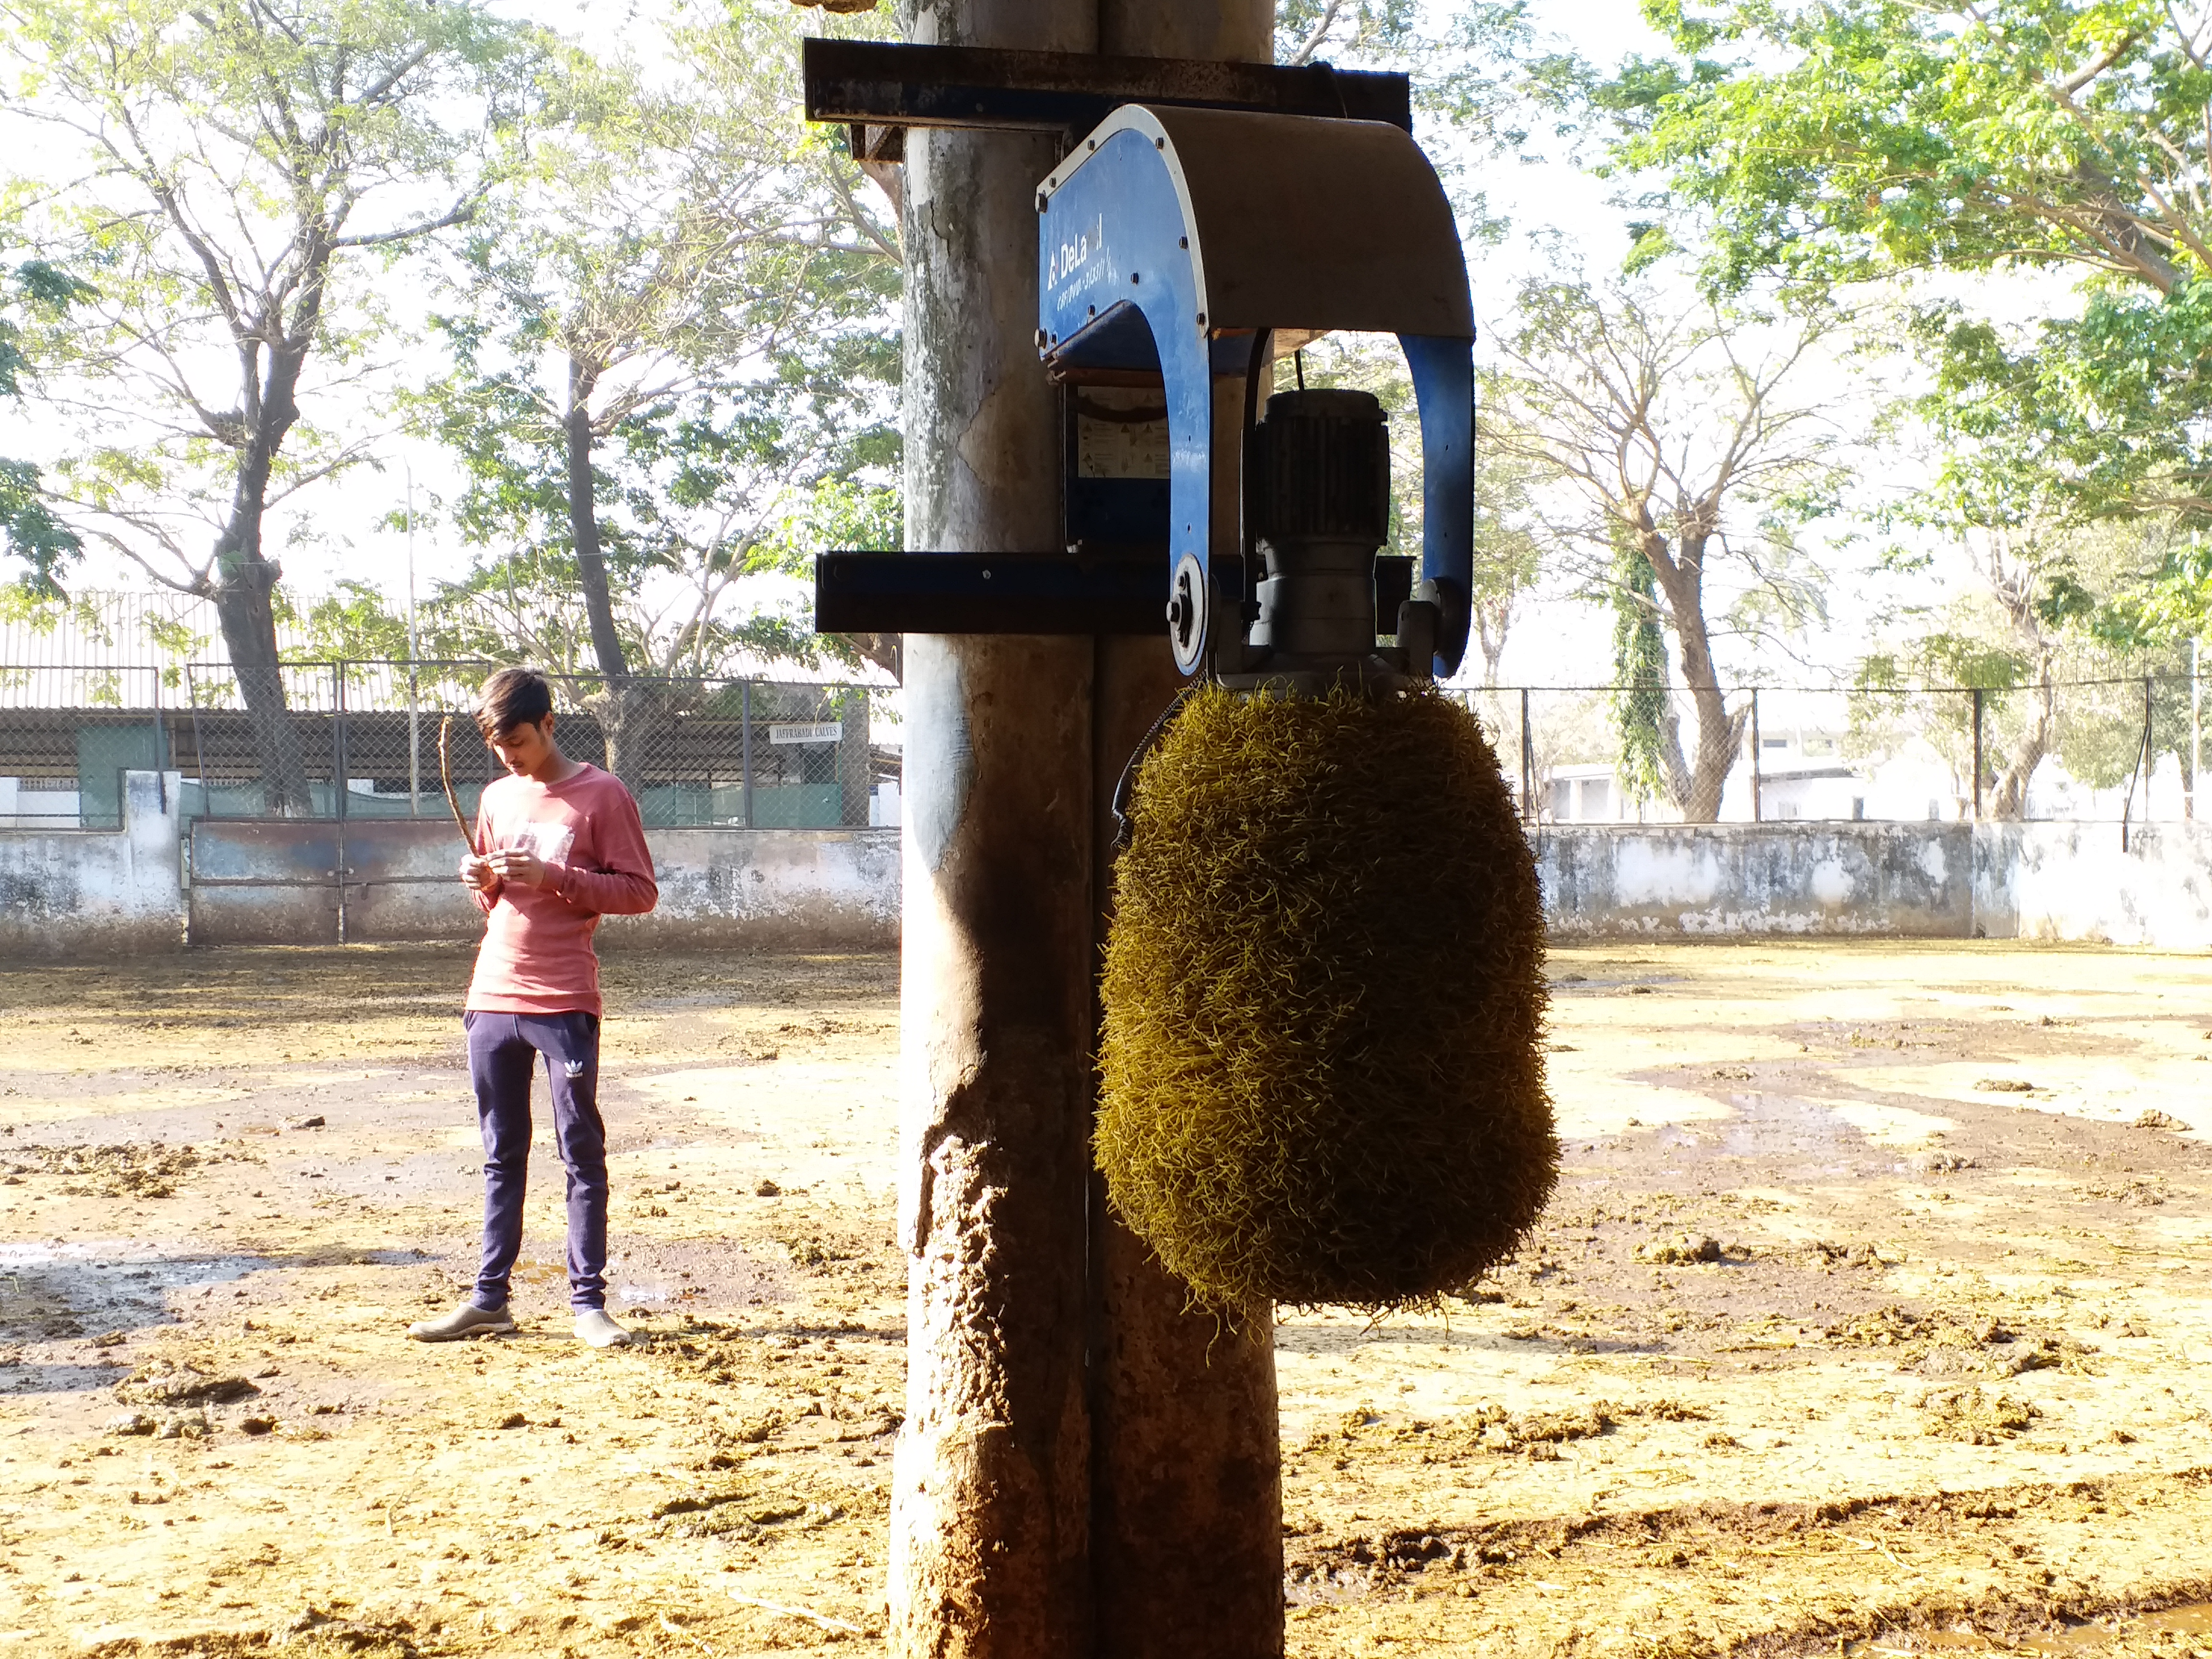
(1073, 259)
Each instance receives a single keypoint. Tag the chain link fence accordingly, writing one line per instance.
(2120, 750)
(361, 740)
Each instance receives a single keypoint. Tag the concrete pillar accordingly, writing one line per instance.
(1187, 1548)
(990, 1503)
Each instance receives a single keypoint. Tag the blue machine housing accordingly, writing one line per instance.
(1171, 238)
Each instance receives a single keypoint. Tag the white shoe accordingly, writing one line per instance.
(593, 1326)
(467, 1320)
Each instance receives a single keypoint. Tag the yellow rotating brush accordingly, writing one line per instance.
(1322, 1074)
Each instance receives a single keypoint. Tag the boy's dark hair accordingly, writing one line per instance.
(512, 697)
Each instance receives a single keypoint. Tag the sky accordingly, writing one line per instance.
(1552, 207)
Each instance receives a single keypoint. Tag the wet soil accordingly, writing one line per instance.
(1870, 1317)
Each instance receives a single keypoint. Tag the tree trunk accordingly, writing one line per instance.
(249, 634)
(584, 524)
(991, 1490)
(1720, 734)
(1490, 623)
(2007, 799)
(625, 720)
(855, 775)
(244, 578)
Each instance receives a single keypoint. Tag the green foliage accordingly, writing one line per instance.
(695, 270)
(2099, 416)
(349, 624)
(1640, 703)
(1854, 138)
(1848, 139)
(29, 527)
(226, 178)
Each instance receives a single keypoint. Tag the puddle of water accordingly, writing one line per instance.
(2191, 1619)
(2085, 1641)
(1804, 1133)
(90, 1289)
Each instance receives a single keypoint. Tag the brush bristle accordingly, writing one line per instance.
(1322, 1073)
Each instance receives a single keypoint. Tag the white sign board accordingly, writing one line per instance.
(805, 732)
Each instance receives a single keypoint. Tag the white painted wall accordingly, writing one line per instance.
(2041, 881)
(2074, 881)
(76, 892)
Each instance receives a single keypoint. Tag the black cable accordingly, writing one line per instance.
(1261, 340)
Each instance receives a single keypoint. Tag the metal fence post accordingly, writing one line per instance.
(745, 747)
(1977, 694)
(1528, 762)
(1755, 805)
(199, 748)
(2149, 755)
(338, 769)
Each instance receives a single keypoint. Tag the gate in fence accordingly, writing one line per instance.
(323, 881)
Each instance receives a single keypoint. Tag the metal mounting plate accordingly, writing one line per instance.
(870, 593)
(879, 83)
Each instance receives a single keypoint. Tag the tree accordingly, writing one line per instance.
(677, 337)
(1861, 137)
(1649, 759)
(238, 162)
(1890, 138)
(1672, 430)
(1508, 547)
(2066, 586)
(28, 528)
(2053, 641)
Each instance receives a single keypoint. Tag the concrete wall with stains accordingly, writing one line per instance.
(81, 893)
(2075, 881)
(773, 890)
(721, 889)
(1895, 880)
(96, 892)
(2040, 881)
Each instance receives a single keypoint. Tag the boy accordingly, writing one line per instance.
(561, 845)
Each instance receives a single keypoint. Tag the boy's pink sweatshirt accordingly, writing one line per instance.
(537, 956)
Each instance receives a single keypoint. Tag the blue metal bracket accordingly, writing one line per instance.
(1172, 236)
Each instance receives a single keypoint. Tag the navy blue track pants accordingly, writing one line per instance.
(503, 1051)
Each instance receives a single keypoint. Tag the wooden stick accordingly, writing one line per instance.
(820, 1620)
(445, 777)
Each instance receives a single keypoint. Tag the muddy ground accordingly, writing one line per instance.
(1870, 1317)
